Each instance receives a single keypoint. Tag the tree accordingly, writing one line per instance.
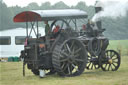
(60, 5)
(81, 5)
(5, 16)
(45, 6)
(33, 6)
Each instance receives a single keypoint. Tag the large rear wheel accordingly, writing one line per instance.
(70, 58)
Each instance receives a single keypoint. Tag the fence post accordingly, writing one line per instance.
(119, 49)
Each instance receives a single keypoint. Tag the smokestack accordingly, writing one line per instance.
(98, 8)
(111, 9)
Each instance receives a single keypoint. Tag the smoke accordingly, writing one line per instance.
(112, 9)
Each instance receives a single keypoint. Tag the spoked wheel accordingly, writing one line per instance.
(110, 61)
(93, 62)
(70, 58)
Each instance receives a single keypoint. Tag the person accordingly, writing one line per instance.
(55, 31)
(47, 28)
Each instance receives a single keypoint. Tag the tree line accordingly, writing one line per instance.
(115, 28)
(7, 13)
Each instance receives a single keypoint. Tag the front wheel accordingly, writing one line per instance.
(110, 61)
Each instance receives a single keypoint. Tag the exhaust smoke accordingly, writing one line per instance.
(112, 9)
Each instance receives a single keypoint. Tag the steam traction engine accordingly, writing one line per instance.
(76, 45)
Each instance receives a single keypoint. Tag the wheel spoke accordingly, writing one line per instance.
(65, 47)
(89, 65)
(69, 69)
(113, 64)
(64, 53)
(105, 65)
(77, 55)
(73, 49)
(115, 61)
(110, 54)
(72, 45)
(109, 67)
(114, 58)
(69, 50)
(77, 50)
(113, 55)
(63, 60)
(95, 66)
(92, 66)
(63, 65)
(75, 67)
(79, 60)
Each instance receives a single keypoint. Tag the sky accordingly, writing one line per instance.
(23, 3)
(26, 2)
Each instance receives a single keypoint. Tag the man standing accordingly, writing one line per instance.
(47, 28)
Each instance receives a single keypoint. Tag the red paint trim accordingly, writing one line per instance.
(27, 16)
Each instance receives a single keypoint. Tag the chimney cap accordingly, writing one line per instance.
(98, 4)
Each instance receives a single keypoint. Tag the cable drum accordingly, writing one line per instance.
(94, 46)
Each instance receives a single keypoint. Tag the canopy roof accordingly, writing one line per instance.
(42, 15)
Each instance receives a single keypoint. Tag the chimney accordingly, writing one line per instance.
(98, 8)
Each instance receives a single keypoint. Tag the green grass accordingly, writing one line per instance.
(11, 74)
(119, 45)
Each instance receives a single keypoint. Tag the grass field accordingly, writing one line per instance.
(119, 45)
(11, 74)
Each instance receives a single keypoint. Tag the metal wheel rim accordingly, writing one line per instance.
(71, 61)
(110, 66)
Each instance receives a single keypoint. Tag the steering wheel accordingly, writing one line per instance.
(61, 23)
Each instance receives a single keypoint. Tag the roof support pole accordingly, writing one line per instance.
(27, 29)
(74, 21)
(37, 29)
(27, 24)
(32, 28)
